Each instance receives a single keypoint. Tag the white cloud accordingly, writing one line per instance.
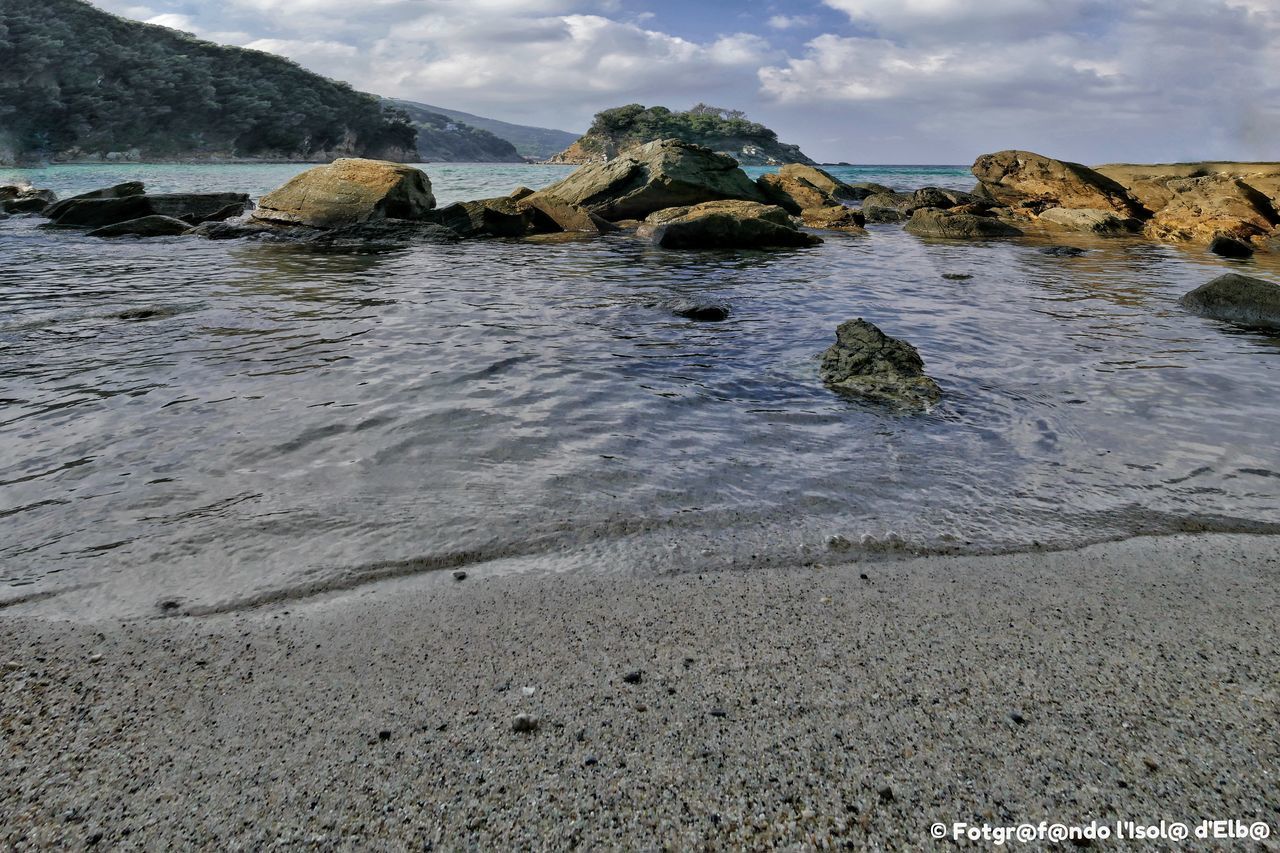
(791, 22)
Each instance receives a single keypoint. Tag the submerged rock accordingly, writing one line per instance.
(1102, 222)
(349, 192)
(119, 204)
(703, 312)
(195, 208)
(655, 176)
(1237, 299)
(725, 225)
(99, 212)
(1062, 251)
(867, 362)
(1016, 178)
(145, 226)
(1230, 247)
(932, 222)
(128, 188)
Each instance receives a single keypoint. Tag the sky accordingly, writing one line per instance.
(863, 81)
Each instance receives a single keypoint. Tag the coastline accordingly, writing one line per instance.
(1129, 680)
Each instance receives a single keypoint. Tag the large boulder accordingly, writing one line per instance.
(948, 224)
(655, 176)
(488, 217)
(1021, 179)
(124, 190)
(1102, 222)
(349, 192)
(552, 214)
(1200, 209)
(1237, 299)
(866, 362)
(725, 225)
(797, 187)
(25, 199)
(98, 212)
(145, 226)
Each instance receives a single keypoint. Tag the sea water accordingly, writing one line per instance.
(197, 425)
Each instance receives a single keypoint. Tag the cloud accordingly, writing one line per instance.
(791, 22)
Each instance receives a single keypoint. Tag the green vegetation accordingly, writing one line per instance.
(715, 127)
(445, 139)
(76, 81)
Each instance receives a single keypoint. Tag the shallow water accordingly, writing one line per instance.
(278, 420)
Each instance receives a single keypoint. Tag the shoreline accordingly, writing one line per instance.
(1133, 680)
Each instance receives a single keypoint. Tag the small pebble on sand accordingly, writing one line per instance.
(633, 677)
(459, 575)
(524, 723)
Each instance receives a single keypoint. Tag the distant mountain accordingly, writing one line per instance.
(442, 139)
(729, 131)
(78, 83)
(537, 143)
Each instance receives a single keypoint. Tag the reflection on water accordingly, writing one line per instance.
(217, 422)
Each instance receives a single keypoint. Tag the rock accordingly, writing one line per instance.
(886, 794)
(25, 199)
(524, 723)
(633, 677)
(552, 214)
(383, 233)
(823, 181)
(590, 761)
(1230, 247)
(956, 276)
(838, 543)
(520, 192)
(886, 207)
(703, 312)
(1017, 718)
(459, 575)
(1200, 209)
(195, 208)
(1103, 222)
(349, 192)
(931, 222)
(384, 735)
(797, 187)
(866, 189)
(655, 176)
(1016, 177)
(144, 226)
(724, 225)
(1237, 299)
(1062, 251)
(489, 217)
(834, 218)
(98, 212)
(867, 362)
(215, 230)
(129, 188)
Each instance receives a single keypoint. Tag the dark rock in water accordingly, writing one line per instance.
(145, 226)
(152, 312)
(129, 188)
(215, 230)
(97, 212)
(490, 217)
(725, 225)
(956, 276)
(867, 362)
(931, 197)
(380, 233)
(866, 189)
(1237, 299)
(703, 312)
(1062, 251)
(885, 207)
(932, 222)
(195, 208)
(550, 214)
(25, 199)
(1230, 247)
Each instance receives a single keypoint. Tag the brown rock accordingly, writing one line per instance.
(552, 214)
(725, 225)
(835, 217)
(1102, 222)
(1202, 208)
(1015, 178)
(932, 222)
(349, 192)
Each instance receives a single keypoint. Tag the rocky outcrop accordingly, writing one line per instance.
(1102, 222)
(797, 187)
(897, 207)
(724, 225)
(1199, 209)
(195, 208)
(146, 226)
(109, 207)
(653, 177)
(948, 224)
(25, 199)
(489, 217)
(866, 362)
(1146, 181)
(1237, 299)
(834, 218)
(552, 214)
(1023, 180)
(349, 192)
(97, 212)
(129, 188)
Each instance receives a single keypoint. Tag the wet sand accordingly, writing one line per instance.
(1135, 680)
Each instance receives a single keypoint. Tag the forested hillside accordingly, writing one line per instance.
(442, 139)
(79, 83)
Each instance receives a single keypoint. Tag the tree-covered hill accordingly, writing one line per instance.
(751, 143)
(538, 143)
(444, 139)
(79, 83)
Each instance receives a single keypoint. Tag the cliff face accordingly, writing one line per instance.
(77, 83)
(726, 131)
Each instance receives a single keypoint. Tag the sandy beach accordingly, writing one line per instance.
(850, 705)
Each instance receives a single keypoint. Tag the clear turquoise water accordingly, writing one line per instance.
(292, 420)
